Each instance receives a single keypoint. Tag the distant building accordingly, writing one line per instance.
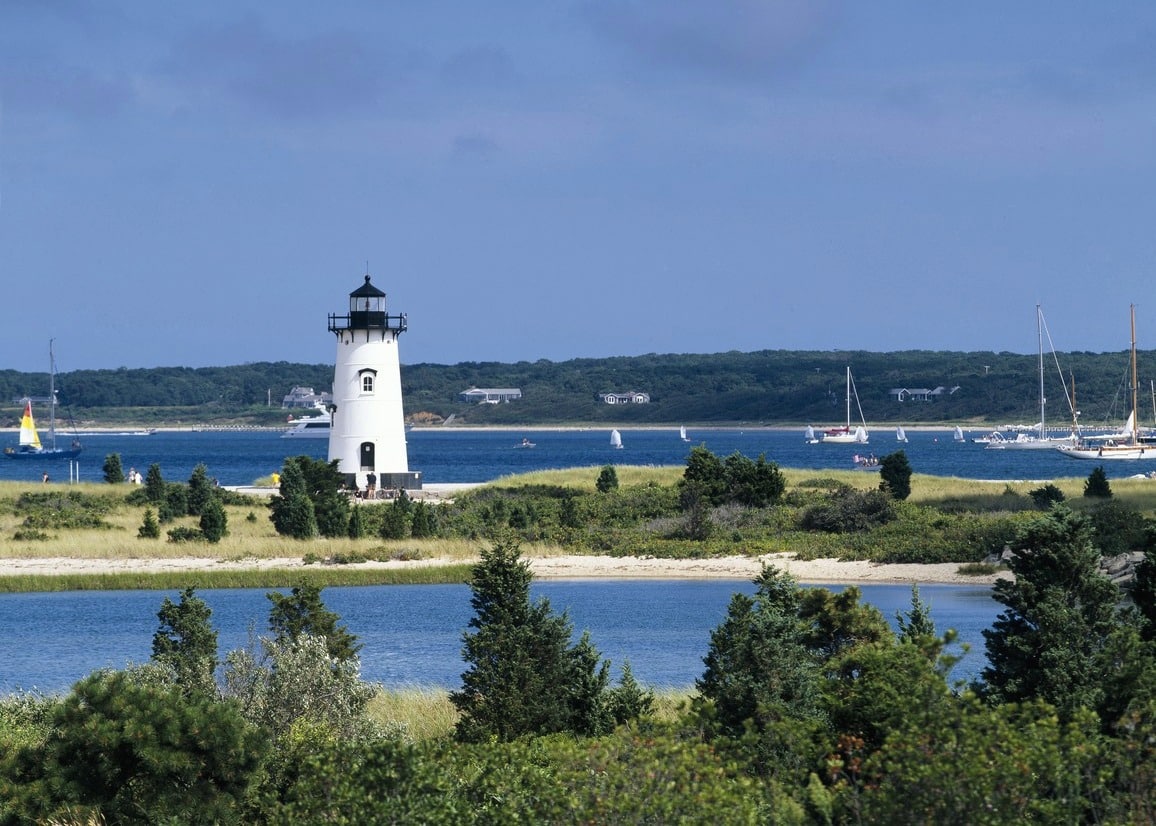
(624, 398)
(920, 394)
(490, 395)
(304, 397)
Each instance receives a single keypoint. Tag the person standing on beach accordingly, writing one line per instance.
(45, 479)
(370, 484)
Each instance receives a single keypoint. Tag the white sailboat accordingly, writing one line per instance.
(1038, 440)
(1129, 446)
(809, 436)
(900, 434)
(958, 435)
(682, 433)
(845, 435)
(616, 439)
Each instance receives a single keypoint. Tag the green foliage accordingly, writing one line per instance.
(214, 523)
(753, 484)
(522, 676)
(705, 476)
(895, 475)
(175, 504)
(292, 511)
(134, 752)
(916, 623)
(112, 469)
(63, 510)
(607, 479)
(295, 680)
(1059, 613)
(629, 701)
(1096, 486)
(1046, 496)
(154, 485)
(303, 613)
(849, 511)
(199, 492)
(149, 527)
(186, 643)
(1118, 528)
(183, 533)
(356, 523)
(423, 523)
(394, 520)
(1144, 587)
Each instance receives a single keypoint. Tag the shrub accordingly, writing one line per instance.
(214, 522)
(149, 528)
(895, 475)
(1096, 485)
(607, 480)
(851, 510)
(183, 533)
(113, 471)
(1046, 496)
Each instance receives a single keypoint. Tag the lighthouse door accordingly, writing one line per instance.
(368, 456)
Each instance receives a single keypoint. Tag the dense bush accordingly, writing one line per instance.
(849, 511)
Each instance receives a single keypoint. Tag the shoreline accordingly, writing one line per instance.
(807, 572)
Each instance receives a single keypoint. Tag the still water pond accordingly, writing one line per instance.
(412, 634)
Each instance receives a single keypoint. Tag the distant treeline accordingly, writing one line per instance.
(768, 386)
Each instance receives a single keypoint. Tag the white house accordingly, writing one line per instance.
(490, 395)
(625, 398)
(304, 397)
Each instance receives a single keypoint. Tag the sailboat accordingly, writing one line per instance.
(616, 439)
(30, 446)
(809, 436)
(1128, 445)
(845, 435)
(900, 434)
(1038, 440)
(958, 435)
(682, 433)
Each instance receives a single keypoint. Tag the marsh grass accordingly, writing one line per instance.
(423, 713)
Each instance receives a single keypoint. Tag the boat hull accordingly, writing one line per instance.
(1110, 452)
(46, 453)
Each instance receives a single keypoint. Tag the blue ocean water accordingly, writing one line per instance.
(412, 634)
(241, 457)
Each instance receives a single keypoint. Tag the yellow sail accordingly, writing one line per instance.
(28, 435)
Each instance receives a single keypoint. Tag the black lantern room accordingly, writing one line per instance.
(367, 312)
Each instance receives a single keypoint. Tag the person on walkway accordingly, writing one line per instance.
(370, 484)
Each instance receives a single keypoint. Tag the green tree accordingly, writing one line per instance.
(705, 474)
(607, 479)
(113, 471)
(154, 485)
(629, 700)
(214, 523)
(292, 511)
(421, 521)
(895, 475)
(200, 491)
(302, 612)
(916, 623)
(1096, 485)
(356, 524)
(149, 527)
(186, 643)
(1059, 613)
(523, 679)
(754, 484)
(136, 752)
(394, 520)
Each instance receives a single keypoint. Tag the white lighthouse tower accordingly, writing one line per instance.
(367, 434)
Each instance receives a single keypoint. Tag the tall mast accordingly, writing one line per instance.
(1135, 382)
(1040, 335)
(51, 394)
(848, 397)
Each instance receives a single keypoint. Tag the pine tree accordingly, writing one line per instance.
(292, 512)
(895, 475)
(523, 678)
(113, 470)
(149, 528)
(302, 612)
(154, 485)
(1096, 485)
(187, 643)
(214, 522)
(607, 480)
(200, 491)
(1060, 611)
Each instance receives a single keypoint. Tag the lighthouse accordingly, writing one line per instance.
(367, 434)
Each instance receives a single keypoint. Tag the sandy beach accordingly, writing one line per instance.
(818, 571)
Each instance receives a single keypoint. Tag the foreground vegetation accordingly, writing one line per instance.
(809, 710)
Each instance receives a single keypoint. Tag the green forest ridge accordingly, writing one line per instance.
(764, 387)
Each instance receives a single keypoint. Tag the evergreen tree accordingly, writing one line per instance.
(607, 480)
(187, 643)
(628, 700)
(394, 520)
(421, 522)
(200, 491)
(356, 525)
(523, 679)
(149, 528)
(1096, 485)
(113, 471)
(1060, 611)
(214, 523)
(154, 485)
(915, 624)
(292, 511)
(302, 612)
(705, 474)
(895, 475)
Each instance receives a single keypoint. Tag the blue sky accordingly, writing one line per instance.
(202, 183)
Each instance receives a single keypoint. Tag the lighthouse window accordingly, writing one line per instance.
(367, 384)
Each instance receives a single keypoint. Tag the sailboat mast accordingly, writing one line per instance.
(1040, 335)
(51, 394)
(848, 399)
(1135, 381)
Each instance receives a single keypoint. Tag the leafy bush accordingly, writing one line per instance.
(183, 533)
(848, 511)
(1046, 496)
(607, 480)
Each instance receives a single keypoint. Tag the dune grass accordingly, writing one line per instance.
(421, 713)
